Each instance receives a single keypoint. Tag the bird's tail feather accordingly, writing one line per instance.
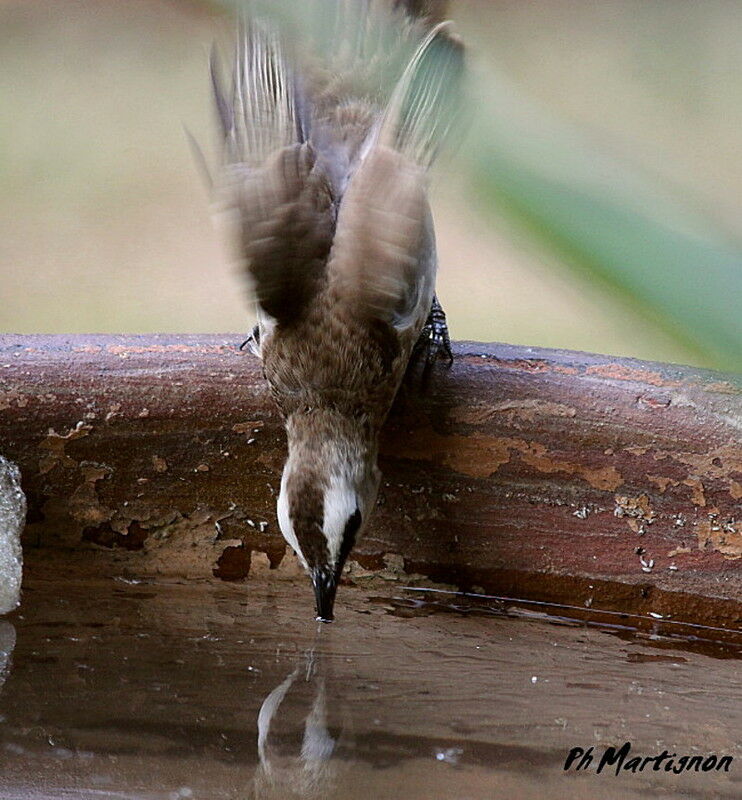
(263, 113)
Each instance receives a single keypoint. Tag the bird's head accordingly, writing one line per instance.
(328, 491)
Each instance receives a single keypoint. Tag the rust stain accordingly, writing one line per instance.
(735, 490)
(621, 372)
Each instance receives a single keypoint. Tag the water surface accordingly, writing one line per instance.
(159, 691)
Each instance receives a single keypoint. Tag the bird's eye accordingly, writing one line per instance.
(352, 526)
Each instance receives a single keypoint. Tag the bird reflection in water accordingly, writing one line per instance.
(288, 771)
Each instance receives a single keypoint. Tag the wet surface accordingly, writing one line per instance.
(119, 690)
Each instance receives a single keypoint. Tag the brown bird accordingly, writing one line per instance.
(336, 112)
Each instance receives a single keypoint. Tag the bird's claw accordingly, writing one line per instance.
(434, 341)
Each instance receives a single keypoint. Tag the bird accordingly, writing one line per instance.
(336, 111)
(312, 772)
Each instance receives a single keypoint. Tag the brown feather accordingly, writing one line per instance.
(287, 220)
(381, 258)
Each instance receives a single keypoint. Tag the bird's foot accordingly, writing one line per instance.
(434, 341)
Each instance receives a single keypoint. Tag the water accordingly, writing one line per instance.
(141, 690)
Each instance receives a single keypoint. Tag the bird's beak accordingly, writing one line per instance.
(325, 582)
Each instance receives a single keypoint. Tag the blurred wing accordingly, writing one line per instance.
(383, 259)
(283, 200)
(384, 253)
(427, 102)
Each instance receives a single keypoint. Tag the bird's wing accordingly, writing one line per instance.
(383, 254)
(283, 200)
(427, 101)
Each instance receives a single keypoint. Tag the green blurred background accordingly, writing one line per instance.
(594, 204)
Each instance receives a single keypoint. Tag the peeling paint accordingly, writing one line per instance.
(233, 564)
(719, 463)
(53, 447)
(104, 535)
(653, 401)
(481, 457)
(287, 567)
(724, 539)
(722, 387)
(661, 482)
(476, 456)
(698, 496)
(606, 478)
(84, 505)
(88, 348)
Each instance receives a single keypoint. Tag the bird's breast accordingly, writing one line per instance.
(335, 359)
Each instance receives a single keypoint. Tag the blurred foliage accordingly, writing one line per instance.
(608, 222)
